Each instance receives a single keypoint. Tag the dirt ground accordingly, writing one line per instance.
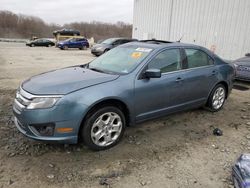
(172, 152)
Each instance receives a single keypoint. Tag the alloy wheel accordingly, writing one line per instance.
(218, 98)
(106, 129)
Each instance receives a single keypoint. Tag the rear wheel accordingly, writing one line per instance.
(49, 45)
(103, 128)
(217, 98)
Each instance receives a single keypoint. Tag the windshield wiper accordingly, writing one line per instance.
(97, 70)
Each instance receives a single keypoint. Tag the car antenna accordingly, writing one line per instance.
(180, 38)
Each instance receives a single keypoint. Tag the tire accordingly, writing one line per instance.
(217, 98)
(98, 136)
(49, 45)
(32, 45)
(65, 47)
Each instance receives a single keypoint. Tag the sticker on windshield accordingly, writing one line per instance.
(143, 49)
(136, 55)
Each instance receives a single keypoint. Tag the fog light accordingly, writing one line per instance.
(64, 130)
(44, 129)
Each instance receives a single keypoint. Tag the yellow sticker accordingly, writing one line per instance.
(136, 55)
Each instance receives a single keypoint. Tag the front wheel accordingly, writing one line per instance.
(103, 128)
(217, 98)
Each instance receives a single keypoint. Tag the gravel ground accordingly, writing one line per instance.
(175, 151)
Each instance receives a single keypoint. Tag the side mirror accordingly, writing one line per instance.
(152, 73)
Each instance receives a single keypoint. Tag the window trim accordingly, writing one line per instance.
(145, 67)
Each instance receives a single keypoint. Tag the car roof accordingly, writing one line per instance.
(243, 59)
(159, 44)
(121, 38)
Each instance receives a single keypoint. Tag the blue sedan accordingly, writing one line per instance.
(132, 83)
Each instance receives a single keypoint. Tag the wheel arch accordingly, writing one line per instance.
(107, 102)
(224, 83)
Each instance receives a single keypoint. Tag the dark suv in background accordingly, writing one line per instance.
(108, 44)
(70, 32)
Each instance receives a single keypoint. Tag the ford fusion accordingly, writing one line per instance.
(132, 83)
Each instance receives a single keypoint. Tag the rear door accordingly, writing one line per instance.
(158, 96)
(200, 76)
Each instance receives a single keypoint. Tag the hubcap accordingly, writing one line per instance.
(218, 98)
(106, 129)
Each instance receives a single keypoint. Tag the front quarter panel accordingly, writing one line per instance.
(120, 89)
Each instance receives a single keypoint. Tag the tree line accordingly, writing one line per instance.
(23, 26)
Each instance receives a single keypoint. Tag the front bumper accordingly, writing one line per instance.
(61, 123)
(97, 52)
(30, 134)
(241, 78)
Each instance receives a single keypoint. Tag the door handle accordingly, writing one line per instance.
(179, 79)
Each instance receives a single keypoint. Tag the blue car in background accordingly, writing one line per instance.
(80, 43)
(129, 84)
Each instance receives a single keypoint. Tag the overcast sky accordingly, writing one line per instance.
(65, 11)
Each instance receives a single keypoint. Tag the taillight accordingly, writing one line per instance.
(235, 68)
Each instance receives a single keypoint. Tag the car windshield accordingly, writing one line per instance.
(120, 60)
(109, 41)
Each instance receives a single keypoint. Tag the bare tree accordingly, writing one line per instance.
(23, 26)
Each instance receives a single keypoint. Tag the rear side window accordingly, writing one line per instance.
(197, 58)
(167, 61)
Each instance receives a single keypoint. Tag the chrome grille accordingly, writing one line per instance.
(22, 99)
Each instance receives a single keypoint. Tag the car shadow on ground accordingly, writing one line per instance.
(241, 85)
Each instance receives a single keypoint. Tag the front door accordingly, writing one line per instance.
(158, 96)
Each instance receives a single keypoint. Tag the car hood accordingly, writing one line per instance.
(62, 43)
(101, 45)
(64, 81)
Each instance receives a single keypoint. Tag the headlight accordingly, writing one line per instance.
(42, 102)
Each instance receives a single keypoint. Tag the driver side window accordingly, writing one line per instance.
(167, 61)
